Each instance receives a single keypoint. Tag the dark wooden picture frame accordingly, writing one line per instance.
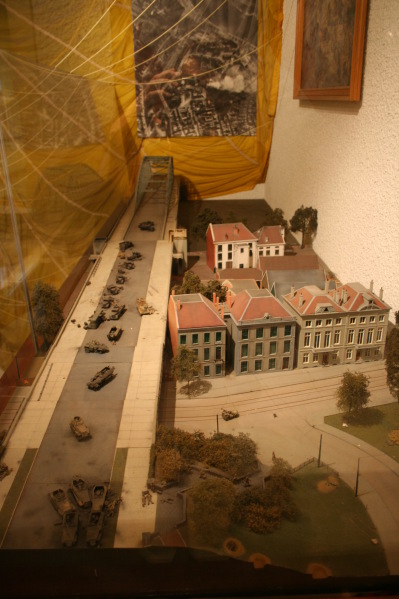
(329, 49)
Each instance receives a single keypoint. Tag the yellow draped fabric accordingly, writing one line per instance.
(67, 110)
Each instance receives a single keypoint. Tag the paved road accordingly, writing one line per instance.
(284, 413)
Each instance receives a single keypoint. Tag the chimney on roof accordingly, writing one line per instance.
(222, 311)
(344, 296)
(381, 293)
(236, 230)
(226, 236)
(217, 302)
(229, 298)
(214, 298)
(266, 315)
(282, 231)
(178, 305)
(371, 285)
(301, 300)
(173, 291)
(336, 295)
(326, 282)
(292, 294)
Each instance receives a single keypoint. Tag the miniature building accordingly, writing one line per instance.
(262, 332)
(271, 241)
(340, 326)
(194, 322)
(230, 245)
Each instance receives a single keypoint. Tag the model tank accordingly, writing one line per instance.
(101, 378)
(117, 312)
(96, 347)
(143, 307)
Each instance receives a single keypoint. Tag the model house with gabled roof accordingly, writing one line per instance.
(340, 326)
(195, 322)
(230, 245)
(271, 241)
(261, 332)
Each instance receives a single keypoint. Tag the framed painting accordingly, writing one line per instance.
(329, 49)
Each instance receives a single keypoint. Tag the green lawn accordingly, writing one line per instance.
(333, 529)
(373, 427)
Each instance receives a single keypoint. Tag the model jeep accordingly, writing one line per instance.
(60, 502)
(101, 378)
(147, 225)
(117, 312)
(143, 308)
(229, 414)
(96, 347)
(79, 428)
(115, 333)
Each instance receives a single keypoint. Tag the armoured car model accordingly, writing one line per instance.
(101, 378)
(70, 529)
(229, 414)
(60, 502)
(134, 256)
(120, 280)
(79, 428)
(80, 491)
(94, 529)
(95, 320)
(117, 312)
(106, 301)
(96, 347)
(114, 289)
(143, 307)
(147, 225)
(115, 333)
(124, 245)
(98, 496)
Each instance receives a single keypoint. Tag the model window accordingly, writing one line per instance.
(318, 323)
(286, 363)
(244, 366)
(276, 250)
(338, 321)
(259, 333)
(367, 353)
(273, 332)
(351, 333)
(207, 354)
(207, 337)
(317, 340)
(308, 323)
(306, 341)
(381, 318)
(241, 266)
(362, 319)
(305, 358)
(218, 355)
(207, 370)
(244, 334)
(372, 319)
(230, 247)
(287, 346)
(360, 336)
(273, 347)
(261, 252)
(258, 365)
(329, 322)
(377, 351)
(337, 337)
(241, 250)
(219, 248)
(370, 334)
(258, 349)
(349, 354)
(220, 265)
(267, 251)
(195, 338)
(287, 330)
(218, 337)
(379, 334)
(219, 256)
(218, 369)
(327, 338)
(183, 339)
(315, 357)
(229, 255)
(352, 320)
(335, 355)
(272, 363)
(244, 350)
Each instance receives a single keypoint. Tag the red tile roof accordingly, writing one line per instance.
(253, 305)
(196, 311)
(239, 273)
(270, 234)
(231, 232)
(312, 300)
(354, 296)
(296, 262)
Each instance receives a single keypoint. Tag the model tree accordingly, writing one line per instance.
(392, 360)
(353, 394)
(210, 505)
(274, 217)
(305, 221)
(202, 221)
(185, 366)
(47, 312)
(193, 284)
